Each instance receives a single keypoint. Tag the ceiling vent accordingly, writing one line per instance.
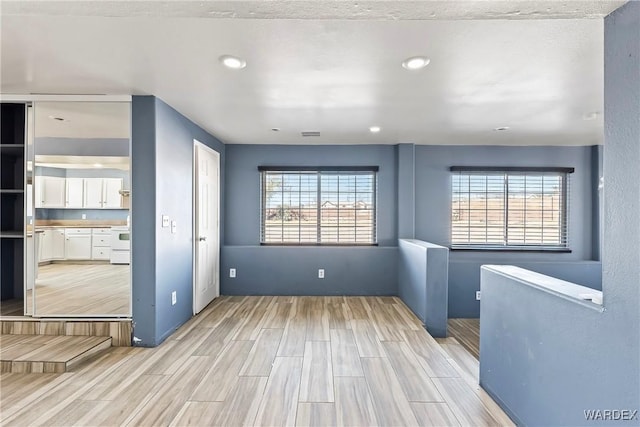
(310, 133)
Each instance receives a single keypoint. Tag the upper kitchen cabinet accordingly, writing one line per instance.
(74, 193)
(103, 193)
(50, 192)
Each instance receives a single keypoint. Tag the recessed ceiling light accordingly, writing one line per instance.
(60, 119)
(591, 116)
(415, 62)
(233, 62)
(275, 129)
(502, 128)
(97, 165)
(375, 129)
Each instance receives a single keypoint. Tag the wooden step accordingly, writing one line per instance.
(120, 330)
(47, 353)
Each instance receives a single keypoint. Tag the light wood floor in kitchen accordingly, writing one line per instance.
(356, 361)
(82, 289)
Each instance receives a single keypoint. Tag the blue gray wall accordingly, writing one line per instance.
(422, 282)
(406, 191)
(545, 358)
(433, 210)
(162, 184)
(117, 147)
(273, 270)
(294, 271)
(464, 278)
(414, 200)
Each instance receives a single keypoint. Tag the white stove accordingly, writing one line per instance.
(120, 245)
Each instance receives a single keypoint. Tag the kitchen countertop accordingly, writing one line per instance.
(79, 223)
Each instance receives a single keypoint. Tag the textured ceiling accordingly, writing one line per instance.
(328, 66)
(322, 9)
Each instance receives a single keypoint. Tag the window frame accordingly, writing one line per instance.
(319, 170)
(563, 247)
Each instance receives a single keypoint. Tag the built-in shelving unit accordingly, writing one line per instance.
(12, 200)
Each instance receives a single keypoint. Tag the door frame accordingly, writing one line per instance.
(196, 146)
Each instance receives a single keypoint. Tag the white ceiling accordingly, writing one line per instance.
(338, 75)
(82, 120)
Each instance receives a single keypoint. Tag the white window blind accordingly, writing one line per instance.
(318, 206)
(509, 208)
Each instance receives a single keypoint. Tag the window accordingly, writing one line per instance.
(318, 206)
(509, 208)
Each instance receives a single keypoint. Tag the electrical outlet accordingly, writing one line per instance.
(477, 295)
(174, 297)
(232, 273)
(321, 273)
(84, 216)
(165, 221)
(174, 227)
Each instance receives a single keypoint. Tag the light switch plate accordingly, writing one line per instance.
(174, 227)
(232, 273)
(478, 295)
(321, 273)
(165, 221)
(174, 297)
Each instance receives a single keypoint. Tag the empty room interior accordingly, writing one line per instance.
(320, 213)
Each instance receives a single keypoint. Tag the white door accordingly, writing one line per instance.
(111, 198)
(75, 192)
(207, 226)
(93, 193)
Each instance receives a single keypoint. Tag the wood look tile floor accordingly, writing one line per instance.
(82, 289)
(268, 361)
(467, 333)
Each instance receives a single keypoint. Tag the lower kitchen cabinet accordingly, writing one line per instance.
(51, 245)
(101, 243)
(77, 243)
(74, 244)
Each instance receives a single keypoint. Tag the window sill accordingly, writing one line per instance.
(340, 245)
(508, 249)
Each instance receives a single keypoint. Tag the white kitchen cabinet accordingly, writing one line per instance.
(93, 193)
(100, 243)
(102, 193)
(100, 254)
(77, 243)
(51, 244)
(45, 247)
(57, 243)
(111, 198)
(50, 192)
(74, 193)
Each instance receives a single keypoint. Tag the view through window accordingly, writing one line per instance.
(321, 206)
(516, 208)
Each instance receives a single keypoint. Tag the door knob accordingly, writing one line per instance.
(202, 238)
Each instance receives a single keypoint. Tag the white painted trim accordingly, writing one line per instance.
(194, 225)
(64, 98)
